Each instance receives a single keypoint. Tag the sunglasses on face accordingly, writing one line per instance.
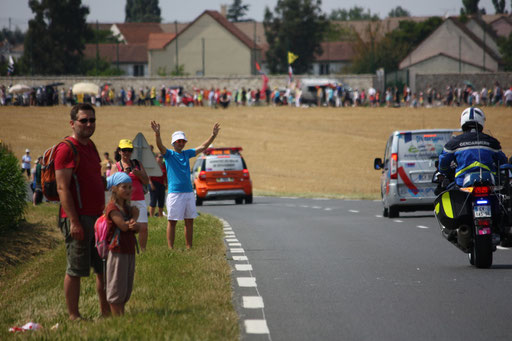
(180, 141)
(127, 150)
(85, 120)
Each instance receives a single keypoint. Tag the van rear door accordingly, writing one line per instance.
(417, 154)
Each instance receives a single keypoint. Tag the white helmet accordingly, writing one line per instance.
(472, 115)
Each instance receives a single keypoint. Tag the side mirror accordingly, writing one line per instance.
(377, 163)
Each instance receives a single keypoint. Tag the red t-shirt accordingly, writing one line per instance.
(92, 189)
(126, 239)
(161, 179)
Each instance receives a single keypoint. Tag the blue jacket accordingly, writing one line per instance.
(470, 154)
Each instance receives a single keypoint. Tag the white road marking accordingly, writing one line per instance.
(398, 221)
(246, 282)
(232, 240)
(289, 197)
(252, 302)
(229, 233)
(353, 211)
(243, 267)
(320, 199)
(422, 227)
(316, 207)
(234, 244)
(240, 258)
(304, 206)
(378, 216)
(327, 209)
(502, 248)
(237, 250)
(256, 327)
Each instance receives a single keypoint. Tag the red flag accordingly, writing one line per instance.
(258, 67)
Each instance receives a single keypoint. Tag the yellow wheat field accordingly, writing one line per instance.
(295, 151)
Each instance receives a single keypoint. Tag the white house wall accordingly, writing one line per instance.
(224, 54)
(478, 31)
(443, 64)
(446, 40)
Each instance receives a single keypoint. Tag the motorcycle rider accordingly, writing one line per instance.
(468, 153)
(472, 150)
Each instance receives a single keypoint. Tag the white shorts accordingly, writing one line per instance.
(143, 210)
(181, 206)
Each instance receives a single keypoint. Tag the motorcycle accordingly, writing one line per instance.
(477, 216)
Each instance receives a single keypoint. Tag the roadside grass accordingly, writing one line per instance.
(178, 295)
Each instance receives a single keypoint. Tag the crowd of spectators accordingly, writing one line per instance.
(333, 95)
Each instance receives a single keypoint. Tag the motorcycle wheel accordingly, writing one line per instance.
(482, 252)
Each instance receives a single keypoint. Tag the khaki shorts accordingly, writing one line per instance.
(120, 274)
(81, 254)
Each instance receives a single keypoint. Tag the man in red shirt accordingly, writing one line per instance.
(82, 197)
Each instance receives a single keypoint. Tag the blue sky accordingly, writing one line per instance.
(113, 10)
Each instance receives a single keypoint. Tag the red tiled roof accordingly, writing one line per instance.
(336, 51)
(158, 41)
(138, 33)
(134, 53)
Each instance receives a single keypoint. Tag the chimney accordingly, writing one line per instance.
(224, 10)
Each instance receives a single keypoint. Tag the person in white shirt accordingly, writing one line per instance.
(25, 163)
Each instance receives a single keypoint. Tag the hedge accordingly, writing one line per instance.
(13, 189)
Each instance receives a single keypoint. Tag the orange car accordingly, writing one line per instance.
(221, 174)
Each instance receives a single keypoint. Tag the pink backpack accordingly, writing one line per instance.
(100, 235)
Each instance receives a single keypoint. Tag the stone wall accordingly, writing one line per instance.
(479, 80)
(189, 83)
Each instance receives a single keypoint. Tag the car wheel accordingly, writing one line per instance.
(248, 199)
(385, 212)
(199, 201)
(239, 201)
(393, 212)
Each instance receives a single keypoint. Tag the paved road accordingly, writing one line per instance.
(337, 270)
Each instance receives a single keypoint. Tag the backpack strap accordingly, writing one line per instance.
(77, 162)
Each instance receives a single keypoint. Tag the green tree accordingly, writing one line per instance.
(388, 52)
(399, 12)
(142, 11)
(13, 37)
(505, 46)
(354, 13)
(56, 37)
(499, 6)
(237, 11)
(470, 7)
(297, 26)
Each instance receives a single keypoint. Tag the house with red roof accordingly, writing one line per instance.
(208, 46)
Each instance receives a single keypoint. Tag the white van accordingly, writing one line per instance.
(408, 167)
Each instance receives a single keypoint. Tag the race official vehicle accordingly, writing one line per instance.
(408, 168)
(221, 174)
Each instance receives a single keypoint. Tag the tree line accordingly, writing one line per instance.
(57, 34)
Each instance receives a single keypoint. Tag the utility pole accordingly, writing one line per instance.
(176, 30)
(253, 64)
(202, 41)
(460, 62)
(97, 46)
(483, 66)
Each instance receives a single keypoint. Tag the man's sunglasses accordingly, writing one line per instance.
(85, 120)
(180, 141)
(127, 150)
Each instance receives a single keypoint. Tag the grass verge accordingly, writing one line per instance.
(178, 295)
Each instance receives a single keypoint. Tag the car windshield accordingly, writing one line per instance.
(224, 163)
(422, 146)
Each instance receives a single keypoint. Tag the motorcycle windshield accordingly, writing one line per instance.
(417, 154)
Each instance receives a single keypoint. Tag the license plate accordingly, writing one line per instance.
(482, 211)
(225, 179)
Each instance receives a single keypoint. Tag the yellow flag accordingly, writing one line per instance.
(291, 57)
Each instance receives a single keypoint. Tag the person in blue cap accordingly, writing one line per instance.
(121, 258)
